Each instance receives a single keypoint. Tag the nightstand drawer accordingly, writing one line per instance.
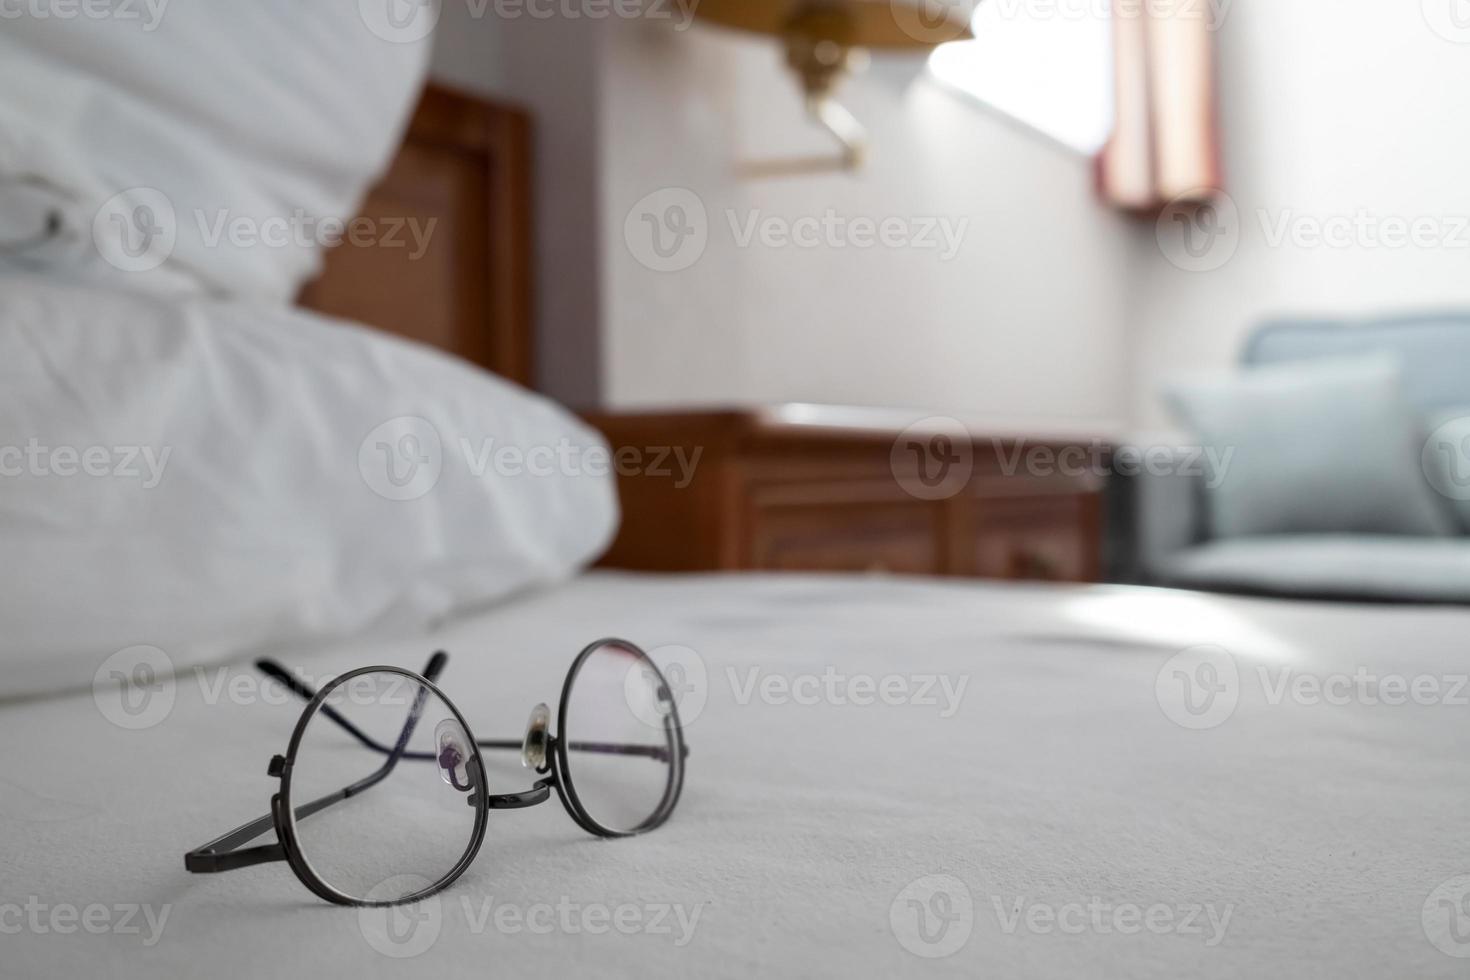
(843, 537)
(805, 488)
(1042, 538)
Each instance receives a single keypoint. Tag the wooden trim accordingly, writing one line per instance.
(512, 245)
(466, 163)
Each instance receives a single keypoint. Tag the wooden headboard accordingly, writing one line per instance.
(465, 165)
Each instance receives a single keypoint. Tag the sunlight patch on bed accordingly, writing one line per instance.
(1177, 619)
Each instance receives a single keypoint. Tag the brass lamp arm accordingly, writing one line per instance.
(832, 116)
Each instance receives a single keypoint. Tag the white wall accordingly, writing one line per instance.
(1025, 320)
(549, 67)
(1325, 114)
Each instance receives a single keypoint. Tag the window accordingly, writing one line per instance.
(1046, 63)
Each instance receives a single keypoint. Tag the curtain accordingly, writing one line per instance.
(1165, 142)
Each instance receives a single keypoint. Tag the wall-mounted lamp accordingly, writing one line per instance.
(824, 40)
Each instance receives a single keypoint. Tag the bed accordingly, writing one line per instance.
(1314, 834)
(887, 775)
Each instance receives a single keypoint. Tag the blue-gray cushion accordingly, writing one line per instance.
(1356, 566)
(1321, 446)
(1446, 459)
(1433, 349)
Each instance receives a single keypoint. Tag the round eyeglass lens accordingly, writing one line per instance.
(623, 747)
(385, 821)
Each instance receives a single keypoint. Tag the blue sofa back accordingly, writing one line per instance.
(1435, 349)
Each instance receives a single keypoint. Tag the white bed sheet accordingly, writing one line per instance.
(1058, 783)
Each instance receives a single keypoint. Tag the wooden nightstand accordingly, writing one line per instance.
(815, 488)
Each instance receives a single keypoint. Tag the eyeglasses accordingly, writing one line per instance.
(360, 829)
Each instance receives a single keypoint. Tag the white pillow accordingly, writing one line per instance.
(211, 479)
(272, 114)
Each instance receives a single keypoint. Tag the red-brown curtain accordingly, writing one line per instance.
(1165, 142)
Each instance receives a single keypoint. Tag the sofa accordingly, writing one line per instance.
(1171, 543)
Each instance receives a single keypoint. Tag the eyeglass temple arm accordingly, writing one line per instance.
(659, 752)
(223, 853)
(436, 664)
(273, 669)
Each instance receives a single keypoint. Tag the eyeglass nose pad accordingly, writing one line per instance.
(452, 753)
(533, 749)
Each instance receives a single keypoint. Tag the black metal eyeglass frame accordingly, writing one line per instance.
(228, 852)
